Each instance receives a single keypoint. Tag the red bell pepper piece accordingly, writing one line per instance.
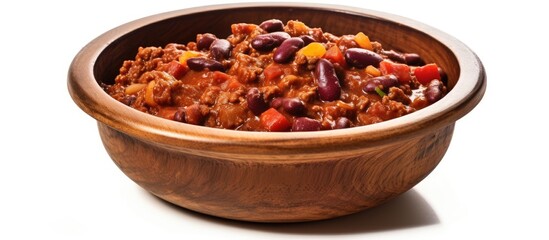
(176, 69)
(274, 121)
(427, 73)
(334, 55)
(401, 71)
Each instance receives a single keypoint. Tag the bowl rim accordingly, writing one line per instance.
(91, 98)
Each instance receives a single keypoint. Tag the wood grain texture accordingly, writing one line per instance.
(297, 190)
(275, 177)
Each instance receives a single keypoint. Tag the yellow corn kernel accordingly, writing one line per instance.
(363, 41)
(373, 71)
(186, 55)
(149, 94)
(314, 49)
(134, 88)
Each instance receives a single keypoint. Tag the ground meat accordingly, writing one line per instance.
(307, 93)
(384, 110)
(164, 84)
(246, 68)
(231, 116)
(196, 114)
(214, 93)
(296, 28)
(210, 95)
(147, 59)
(318, 34)
(347, 41)
(172, 52)
(398, 95)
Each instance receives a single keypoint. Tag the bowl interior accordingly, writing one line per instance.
(183, 28)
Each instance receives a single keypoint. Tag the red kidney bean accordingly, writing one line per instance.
(199, 64)
(266, 42)
(220, 49)
(342, 122)
(361, 58)
(443, 76)
(195, 114)
(306, 124)
(129, 99)
(204, 41)
(276, 102)
(294, 106)
(256, 102)
(179, 115)
(307, 39)
(385, 81)
(433, 92)
(413, 59)
(328, 83)
(272, 25)
(287, 50)
(394, 56)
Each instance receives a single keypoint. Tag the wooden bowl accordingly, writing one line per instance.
(275, 177)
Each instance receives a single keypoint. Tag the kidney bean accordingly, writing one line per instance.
(294, 106)
(220, 49)
(307, 39)
(179, 115)
(385, 81)
(306, 124)
(287, 50)
(342, 122)
(443, 76)
(276, 102)
(204, 41)
(256, 102)
(393, 55)
(266, 42)
(361, 58)
(199, 64)
(196, 114)
(280, 36)
(413, 59)
(433, 92)
(328, 83)
(272, 25)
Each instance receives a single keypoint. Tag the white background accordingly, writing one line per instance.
(56, 179)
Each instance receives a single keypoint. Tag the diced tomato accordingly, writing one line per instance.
(274, 121)
(220, 77)
(272, 71)
(231, 84)
(334, 55)
(176, 69)
(427, 73)
(401, 71)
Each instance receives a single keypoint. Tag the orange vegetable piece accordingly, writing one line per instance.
(363, 41)
(314, 49)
